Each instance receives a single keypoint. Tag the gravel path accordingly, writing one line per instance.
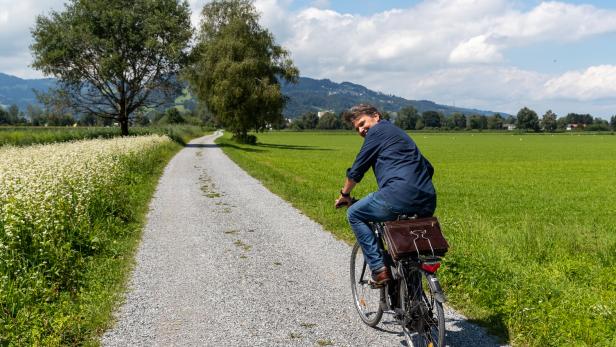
(224, 262)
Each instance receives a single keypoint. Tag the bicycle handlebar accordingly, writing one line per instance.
(344, 203)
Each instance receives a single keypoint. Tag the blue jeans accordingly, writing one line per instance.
(369, 209)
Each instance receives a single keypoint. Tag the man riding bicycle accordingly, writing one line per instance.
(403, 175)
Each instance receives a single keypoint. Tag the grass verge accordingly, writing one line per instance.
(67, 295)
(530, 219)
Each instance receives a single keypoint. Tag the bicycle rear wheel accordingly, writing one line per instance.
(367, 300)
(424, 323)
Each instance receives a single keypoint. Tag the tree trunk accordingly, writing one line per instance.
(124, 126)
(123, 119)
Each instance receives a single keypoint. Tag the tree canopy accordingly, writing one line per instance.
(407, 118)
(527, 119)
(113, 57)
(548, 121)
(236, 67)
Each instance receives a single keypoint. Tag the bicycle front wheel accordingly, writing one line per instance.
(424, 323)
(367, 300)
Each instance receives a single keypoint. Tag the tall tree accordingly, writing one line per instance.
(237, 66)
(458, 120)
(4, 117)
(407, 118)
(477, 121)
(579, 119)
(113, 57)
(548, 121)
(613, 122)
(309, 120)
(431, 119)
(495, 121)
(328, 121)
(527, 119)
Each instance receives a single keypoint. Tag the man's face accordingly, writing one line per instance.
(365, 122)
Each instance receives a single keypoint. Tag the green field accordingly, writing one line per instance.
(531, 220)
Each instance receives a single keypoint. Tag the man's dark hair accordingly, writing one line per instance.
(360, 110)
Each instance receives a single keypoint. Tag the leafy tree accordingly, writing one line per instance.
(309, 120)
(385, 115)
(420, 124)
(431, 119)
(548, 121)
(88, 119)
(527, 119)
(172, 116)
(561, 123)
(457, 121)
(613, 122)
(4, 117)
(599, 124)
(15, 116)
(328, 121)
(113, 57)
(580, 119)
(495, 121)
(237, 66)
(407, 118)
(34, 113)
(344, 124)
(478, 122)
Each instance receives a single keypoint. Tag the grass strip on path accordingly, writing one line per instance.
(531, 221)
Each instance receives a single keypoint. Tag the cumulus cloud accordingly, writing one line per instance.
(476, 50)
(16, 20)
(444, 50)
(596, 82)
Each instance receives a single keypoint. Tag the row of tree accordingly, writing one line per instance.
(39, 116)
(115, 58)
(408, 118)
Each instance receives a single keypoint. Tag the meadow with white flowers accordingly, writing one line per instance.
(70, 217)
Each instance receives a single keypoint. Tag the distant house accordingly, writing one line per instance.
(574, 126)
(509, 126)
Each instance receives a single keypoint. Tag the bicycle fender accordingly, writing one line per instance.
(436, 288)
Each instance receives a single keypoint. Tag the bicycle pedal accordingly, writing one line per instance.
(375, 285)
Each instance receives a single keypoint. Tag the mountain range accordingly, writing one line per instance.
(311, 95)
(17, 91)
(308, 95)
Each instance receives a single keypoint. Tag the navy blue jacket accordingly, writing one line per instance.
(403, 174)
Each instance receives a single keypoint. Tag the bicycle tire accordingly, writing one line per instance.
(426, 324)
(366, 299)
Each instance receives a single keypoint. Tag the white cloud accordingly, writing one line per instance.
(476, 50)
(594, 83)
(16, 20)
(443, 50)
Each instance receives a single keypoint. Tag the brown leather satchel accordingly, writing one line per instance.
(415, 237)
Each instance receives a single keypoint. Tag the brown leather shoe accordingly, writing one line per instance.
(380, 277)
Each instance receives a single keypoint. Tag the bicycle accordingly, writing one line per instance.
(413, 295)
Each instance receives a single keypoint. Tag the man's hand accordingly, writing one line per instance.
(343, 201)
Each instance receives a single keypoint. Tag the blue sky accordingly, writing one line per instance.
(490, 54)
